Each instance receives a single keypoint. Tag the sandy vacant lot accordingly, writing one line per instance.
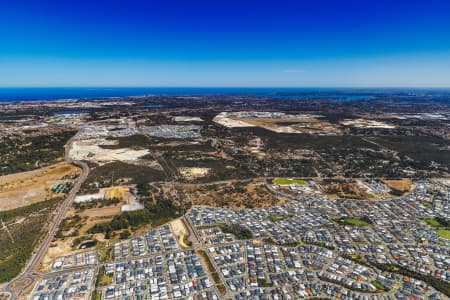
(92, 216)
(180, 231)
(236, 195)
(120, 192)
(89, 217)
(21, 189)
(403, 185)
(55, 250)
(193, 173)
(231, 123)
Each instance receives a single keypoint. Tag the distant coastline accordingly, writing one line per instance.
(72, 93)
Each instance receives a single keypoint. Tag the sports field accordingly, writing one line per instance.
(286, 181)
(444, 233)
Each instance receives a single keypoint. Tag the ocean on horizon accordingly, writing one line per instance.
(14, 94)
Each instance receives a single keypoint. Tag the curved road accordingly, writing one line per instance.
(26, 277)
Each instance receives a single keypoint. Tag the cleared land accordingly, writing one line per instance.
(121, 192)
(247, 194)
(279, 122)
(294, 125)
(401, 185)
(83, 216)
(364, 123)
(346, 188)
(74, 229)
(181, 232)
(22, 189)
(193, 173)
(92, 150)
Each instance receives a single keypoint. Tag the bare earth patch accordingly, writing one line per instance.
(250, 194)
(365, 123)
(346, 188)
(22, 189)
(56, 249)
(193, 173)
(181, 232)
(279, 122)
(119, 192)
(402, 185)
(91, 150)
(89, 217)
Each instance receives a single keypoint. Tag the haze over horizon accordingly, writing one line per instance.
(225, 44)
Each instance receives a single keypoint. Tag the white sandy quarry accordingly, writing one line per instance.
(301, 123)
(187, 119)
(224, 120)
(192, 173)
(91, 197)
(122, 192)
(364, 123)
(132, 206)
(90, 151)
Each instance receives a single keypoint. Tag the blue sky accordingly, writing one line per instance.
(316, 43)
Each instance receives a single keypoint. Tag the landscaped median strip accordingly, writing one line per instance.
(220, 286)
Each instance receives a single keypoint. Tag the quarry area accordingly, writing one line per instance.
(91, 150)
(364, 123)
(277, 122)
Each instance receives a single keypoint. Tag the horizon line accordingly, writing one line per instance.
(224, 87)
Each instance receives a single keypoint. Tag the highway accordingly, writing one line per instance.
(28, 273)
(37, 257)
